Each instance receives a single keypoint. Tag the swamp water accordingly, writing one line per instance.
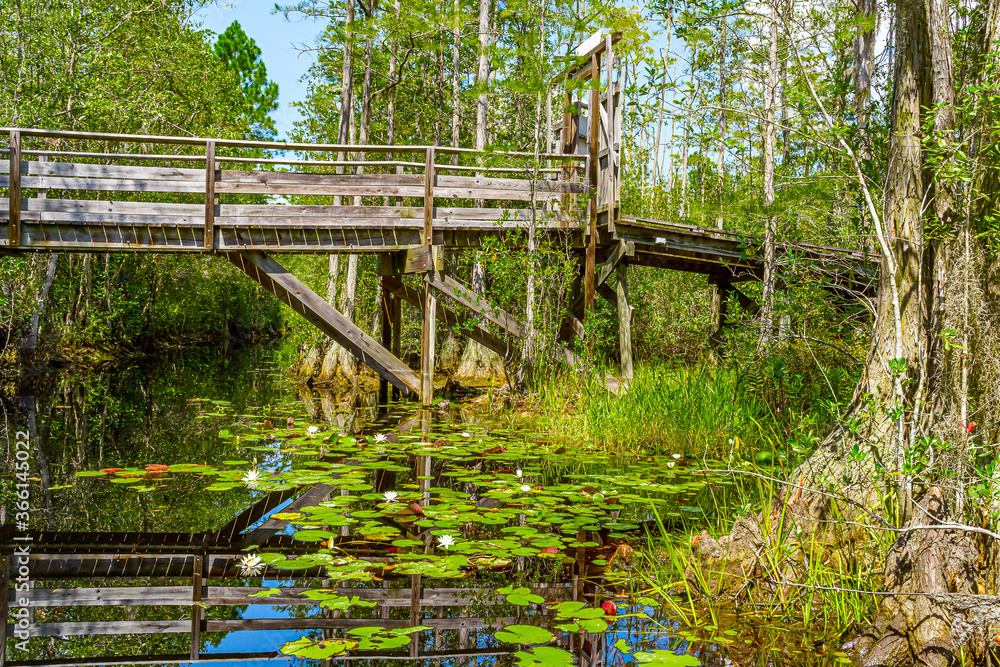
(199, 508)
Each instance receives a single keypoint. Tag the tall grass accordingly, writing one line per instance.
(700, 411)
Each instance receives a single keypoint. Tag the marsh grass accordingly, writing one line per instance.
(826, 591)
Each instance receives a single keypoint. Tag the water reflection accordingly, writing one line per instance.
(141, 562)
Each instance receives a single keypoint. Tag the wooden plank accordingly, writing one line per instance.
(451, 319)
(210, 198)
(249, 657)
(113, 207)
(81, 628)
(106, 184)
(124, 172)
(14, 195)
(624, 323)
(468, 298)
(314, 308)
(159, 659)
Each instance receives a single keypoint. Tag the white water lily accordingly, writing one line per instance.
(390, 496)
(520, 473)
(526, 487)
(671, 464)
(676, 456)
(251, 565)
(446, 541)
(466, 434)
(381, 437)
(252, 477)
(312, 430)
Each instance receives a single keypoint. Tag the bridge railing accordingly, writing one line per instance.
(100, 191)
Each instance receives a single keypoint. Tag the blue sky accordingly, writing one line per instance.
(277, 39)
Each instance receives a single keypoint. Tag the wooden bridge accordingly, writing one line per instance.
(250, 200)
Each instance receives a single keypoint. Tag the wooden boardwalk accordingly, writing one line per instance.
(249, 201)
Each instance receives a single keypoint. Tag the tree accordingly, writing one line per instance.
(242, 56)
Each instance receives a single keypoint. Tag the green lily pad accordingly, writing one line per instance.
(524, 634)
(661, 658)
(522, 597)
(318, 649)
(544, 656)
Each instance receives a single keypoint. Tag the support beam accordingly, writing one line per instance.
(468, 298)
(621, 251)
(593, 144)
(314, 308)
(725, 289)
(271, 527)
(746, 303)
(449, 318)
(428, 331)
(624, 323)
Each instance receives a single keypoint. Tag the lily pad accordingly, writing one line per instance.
(524, 634)
(544, 656)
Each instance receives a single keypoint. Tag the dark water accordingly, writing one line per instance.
(515, 547)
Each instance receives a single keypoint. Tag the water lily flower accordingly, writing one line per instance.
(671, 464)
(676, 456)
(446, 541)
(520, 473)
(312, 430)
(381, 437)
(526, 487)
(390, 496)
(466, 434)
(251, 565)
(252, 477)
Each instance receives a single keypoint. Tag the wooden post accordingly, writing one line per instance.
(610, 177)
(396, 313)
(724, 289)
(428, 326)
(428, 237)
(593, 143)
(210, 195)
(386, 334)
(196, 610)
(624, 322)
(14, 196)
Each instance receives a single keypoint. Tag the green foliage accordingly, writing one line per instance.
(242, 56)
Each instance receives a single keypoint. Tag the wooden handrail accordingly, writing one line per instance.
(268, 145)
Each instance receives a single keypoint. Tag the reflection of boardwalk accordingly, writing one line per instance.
(136, 570)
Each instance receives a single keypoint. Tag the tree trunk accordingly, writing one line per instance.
(30, 341)
(477, 360)
(934, 578)
(767, 295)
